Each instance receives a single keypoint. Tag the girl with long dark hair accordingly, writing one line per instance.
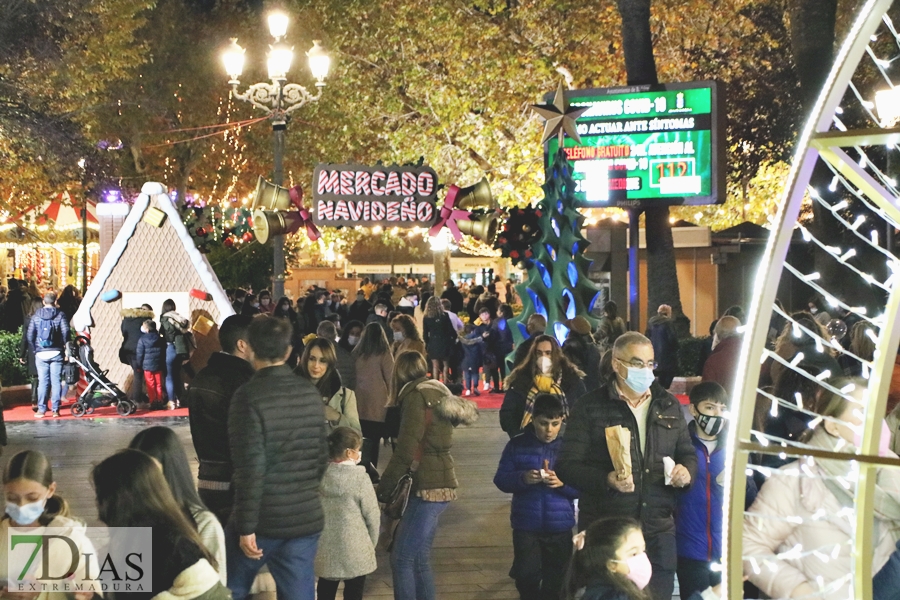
(545, 370)
(163, 444)
(131, 491)
(317, 364)
(176, 329)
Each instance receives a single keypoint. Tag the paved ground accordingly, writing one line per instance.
(473, 548)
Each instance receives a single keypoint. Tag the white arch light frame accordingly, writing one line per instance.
(817, 141)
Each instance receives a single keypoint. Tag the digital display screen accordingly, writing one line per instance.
(645, 146)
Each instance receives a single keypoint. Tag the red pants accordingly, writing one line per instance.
(154, 381)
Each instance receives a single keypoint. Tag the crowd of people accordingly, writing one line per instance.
(288, 418)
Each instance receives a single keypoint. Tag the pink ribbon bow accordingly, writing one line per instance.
(450, 215)
(296, 195)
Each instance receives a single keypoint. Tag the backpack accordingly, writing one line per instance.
(46, 329)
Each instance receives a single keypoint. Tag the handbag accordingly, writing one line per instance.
(399, 498)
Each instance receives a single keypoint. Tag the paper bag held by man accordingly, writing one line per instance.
(618, 441)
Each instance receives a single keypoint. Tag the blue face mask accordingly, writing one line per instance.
(639, 380)
(27, 513)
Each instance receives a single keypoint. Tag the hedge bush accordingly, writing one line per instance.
(11, 371)
(688, 355)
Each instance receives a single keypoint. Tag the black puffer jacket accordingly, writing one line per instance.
(276, 428)
(151, 352)
(132, 320)
(584, 461)
(208, 399)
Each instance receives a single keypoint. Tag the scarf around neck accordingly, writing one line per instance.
(543, 384)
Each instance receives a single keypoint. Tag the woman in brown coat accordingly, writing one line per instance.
(374, 365)
(429, 412)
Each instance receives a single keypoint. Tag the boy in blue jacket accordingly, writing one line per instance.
(698, 515)
(543, 510)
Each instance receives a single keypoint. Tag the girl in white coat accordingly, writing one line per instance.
(806, 504)
(346, 549)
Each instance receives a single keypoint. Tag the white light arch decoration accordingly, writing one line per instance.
(827, 141)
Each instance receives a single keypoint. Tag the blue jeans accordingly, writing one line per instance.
(290, 562)
(174, 387)
(471, 379)
(49, 372)
(411, 557)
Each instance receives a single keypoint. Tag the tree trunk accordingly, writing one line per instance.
(640, 66)
(812, 43)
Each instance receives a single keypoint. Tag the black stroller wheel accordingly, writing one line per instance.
(124, 408)
(78, 409)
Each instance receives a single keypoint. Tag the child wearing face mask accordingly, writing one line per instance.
(543, 508)
(610, 563)
(346, 550)
(151, 355)
(31, 501)
(698, 515)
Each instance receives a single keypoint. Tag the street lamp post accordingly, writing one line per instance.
(277, 99)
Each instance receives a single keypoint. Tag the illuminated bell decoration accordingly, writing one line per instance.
(269, 196)
(475, 197)
(483, 227)
(154, 217)
(278, 222)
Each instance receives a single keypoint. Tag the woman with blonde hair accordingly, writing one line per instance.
(439, 336)
(428, 414)
(406, 336)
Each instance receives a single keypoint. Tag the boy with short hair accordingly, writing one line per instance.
(698, 515)
(543, 510)
(151, 355)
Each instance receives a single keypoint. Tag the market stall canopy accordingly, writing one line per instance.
(60, 212)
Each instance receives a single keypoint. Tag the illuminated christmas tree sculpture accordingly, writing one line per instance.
(547, 241)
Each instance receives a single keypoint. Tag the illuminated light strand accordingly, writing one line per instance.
(793, 407)
(852, 227)
(828, 297)
(862, 197)
(807, 375)
(842, 258)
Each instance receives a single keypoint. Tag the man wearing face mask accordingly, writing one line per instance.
(633, 400)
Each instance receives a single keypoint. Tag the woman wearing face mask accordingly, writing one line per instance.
(317, 365)
(545, 370)
(31, 501)
(811, 508)
(610, 563)
(406, 336)
(374, 365)
(266, 306)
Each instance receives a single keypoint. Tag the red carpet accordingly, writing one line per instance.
(24, 413)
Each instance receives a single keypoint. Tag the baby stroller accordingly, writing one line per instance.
(100, 391)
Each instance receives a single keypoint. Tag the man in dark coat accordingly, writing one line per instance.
(658, 429)
(359, 310)
(661, 331)
(47, 333)
(208, 400)
(722, 364)
(276, 430)
(451, 293)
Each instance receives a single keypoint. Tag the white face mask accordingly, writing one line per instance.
(353, 340)
(544, 364)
